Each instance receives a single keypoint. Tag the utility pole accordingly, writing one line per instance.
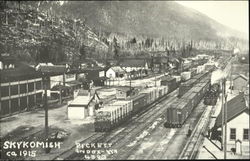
(130, 82)
(45, 79)
(155, 79)
(222, 112)
(225, 137)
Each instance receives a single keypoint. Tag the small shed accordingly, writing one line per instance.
(82, 106)
(123, 92)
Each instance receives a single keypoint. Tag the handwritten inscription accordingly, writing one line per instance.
(95, 150)
(22, 148)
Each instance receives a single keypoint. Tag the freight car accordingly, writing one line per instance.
(178, 79)
(138, 102)
(119, 111)
(186, 86)
(109, 117)
(170, 82)
(116, 113)
(178, 112)
(112, 115)
(185, 76)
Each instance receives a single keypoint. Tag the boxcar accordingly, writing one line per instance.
(148, 94)
(171, 114)
(186, 86)
(138, 102)
(193, 96)
(199, 76)
(182, 112)
(185, 76)
(178, 80)
(199, 91)
(170, 82)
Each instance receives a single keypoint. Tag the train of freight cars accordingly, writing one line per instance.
(178, 111)
(119, 111)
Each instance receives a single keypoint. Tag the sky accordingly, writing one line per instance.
(230, 13)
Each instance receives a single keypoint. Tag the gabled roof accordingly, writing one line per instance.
(133, 63)
(117, 69)
(84, 100)
(55, 69)
(240, 75)
(235, 107)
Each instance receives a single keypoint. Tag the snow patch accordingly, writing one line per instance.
(145, 133)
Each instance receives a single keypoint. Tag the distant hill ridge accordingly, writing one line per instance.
(155, 18)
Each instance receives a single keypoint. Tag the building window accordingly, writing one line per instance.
(30, 87)
(38, 85)
(245, 134)
(23, 88)
(4, 91)
(14, 89)
(232, 134)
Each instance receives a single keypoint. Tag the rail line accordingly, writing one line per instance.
(155, 152)
(113, 135)
(191, 147)
(133, 129)
(125, 150)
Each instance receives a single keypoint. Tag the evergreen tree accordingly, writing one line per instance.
(83, 52)
(116, 49)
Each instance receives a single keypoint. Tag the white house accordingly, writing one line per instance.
(115, 72)
(237, 124)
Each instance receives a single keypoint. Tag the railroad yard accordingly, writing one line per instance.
(152, 132)
(124, 140)
(84, 86)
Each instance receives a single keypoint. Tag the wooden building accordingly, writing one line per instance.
(237, 124)
(21, 89)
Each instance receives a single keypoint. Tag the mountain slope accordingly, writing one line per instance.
(33, 36)
(161, 18)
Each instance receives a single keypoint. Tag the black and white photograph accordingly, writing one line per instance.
(124, 80)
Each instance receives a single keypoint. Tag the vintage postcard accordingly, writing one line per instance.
(124, 80)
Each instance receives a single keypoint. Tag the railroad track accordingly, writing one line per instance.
(115, 136)
(129, 137)
(191, 147)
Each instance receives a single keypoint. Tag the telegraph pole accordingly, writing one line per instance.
(130, 82)
(45, 78)
(222, 112)
(225, 137)
(155, 79)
